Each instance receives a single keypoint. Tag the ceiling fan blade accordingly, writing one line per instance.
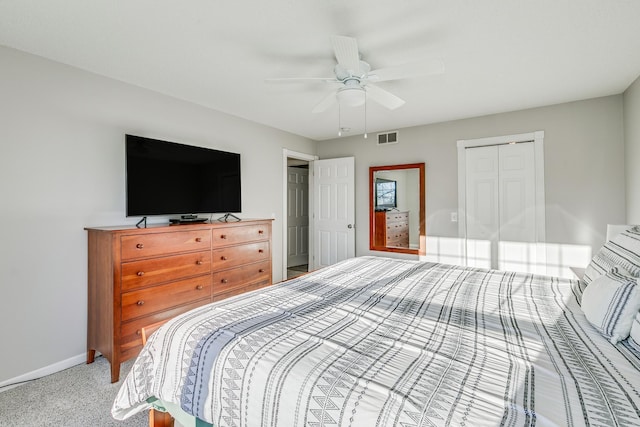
(301, 79)
(384, 98)
(415, 69)
(326, 102)
(346, 50)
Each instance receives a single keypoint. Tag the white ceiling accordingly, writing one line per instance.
(499, 55)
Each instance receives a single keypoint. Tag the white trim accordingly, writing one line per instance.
(44, 371)
(290, 154)
(537, 138)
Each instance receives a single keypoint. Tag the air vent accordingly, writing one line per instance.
(388, 138)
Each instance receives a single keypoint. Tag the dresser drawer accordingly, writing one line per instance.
(137, 274)
(149, 245)
(233, 256)
(241, 276)
(131, 332)
(149, 300)
(398, 217)
(398, 240)
(233, 235)
(400, 226)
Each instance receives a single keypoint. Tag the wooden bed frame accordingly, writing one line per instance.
(156, 418)
(160, 419)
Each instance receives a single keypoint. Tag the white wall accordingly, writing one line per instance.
(62, 169)
(632, 150)
(584, 167)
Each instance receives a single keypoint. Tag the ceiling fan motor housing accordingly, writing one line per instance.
(352, 93)
(342, 74)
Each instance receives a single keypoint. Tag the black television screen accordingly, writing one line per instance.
(385, 194)
(165, 178)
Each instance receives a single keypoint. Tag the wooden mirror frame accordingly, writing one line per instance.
(422, 250)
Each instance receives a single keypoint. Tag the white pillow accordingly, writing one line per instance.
(611, 302)
(623, 250)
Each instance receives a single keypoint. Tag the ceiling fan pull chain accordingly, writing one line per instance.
(339, 121)
(365, 114)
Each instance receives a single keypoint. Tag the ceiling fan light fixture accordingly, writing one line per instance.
(351, 96)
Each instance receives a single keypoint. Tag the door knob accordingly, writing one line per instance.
(350, 226)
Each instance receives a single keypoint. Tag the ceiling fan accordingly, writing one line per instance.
(357, 80)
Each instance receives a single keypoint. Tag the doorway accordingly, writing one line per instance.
(331, 209)
(297, 217)
(297, 244)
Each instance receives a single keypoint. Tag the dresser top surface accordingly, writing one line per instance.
(151, 228)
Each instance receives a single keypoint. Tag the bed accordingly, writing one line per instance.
(375, 341)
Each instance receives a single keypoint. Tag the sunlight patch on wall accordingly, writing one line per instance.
(552, 259)
(451, 250)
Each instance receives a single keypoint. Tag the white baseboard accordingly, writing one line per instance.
(44, 371)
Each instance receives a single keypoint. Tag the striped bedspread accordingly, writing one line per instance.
(384, 342)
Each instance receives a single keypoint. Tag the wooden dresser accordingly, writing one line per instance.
(392, 229)
(140, 276)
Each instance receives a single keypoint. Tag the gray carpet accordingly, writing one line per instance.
(79, 396)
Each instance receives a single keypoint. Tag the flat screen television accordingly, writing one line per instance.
(167, 178)
(386, 194)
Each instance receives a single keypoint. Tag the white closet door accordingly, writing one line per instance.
(501, 206)
(482, 203)
(516, 248)
(517, 193)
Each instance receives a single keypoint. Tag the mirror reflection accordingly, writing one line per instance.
(397, 208)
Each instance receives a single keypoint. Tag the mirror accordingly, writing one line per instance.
(397, 208)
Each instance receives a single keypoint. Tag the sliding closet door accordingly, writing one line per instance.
(482, 216)
(501, 206)
(516, 246)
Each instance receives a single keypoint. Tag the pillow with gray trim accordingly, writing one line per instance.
(623, 250)
(611, 302)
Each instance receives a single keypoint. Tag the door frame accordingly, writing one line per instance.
(537, 138)
(290, 154)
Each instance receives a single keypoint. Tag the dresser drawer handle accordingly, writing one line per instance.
(223, 258)
(139, 246)
(140, 273)
(260, 251)
(199, 262)
(223, 236)
(138, 332)
(140, 303)
(199, 287)
(198, 239)
(260, 231)
(224, 281)
(261, 270)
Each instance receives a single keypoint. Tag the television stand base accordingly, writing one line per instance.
(187, 219)
(142, 221)
(225, 218)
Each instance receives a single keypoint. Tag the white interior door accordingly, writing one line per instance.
(297, 216)
(501, 206)
(333, 211)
